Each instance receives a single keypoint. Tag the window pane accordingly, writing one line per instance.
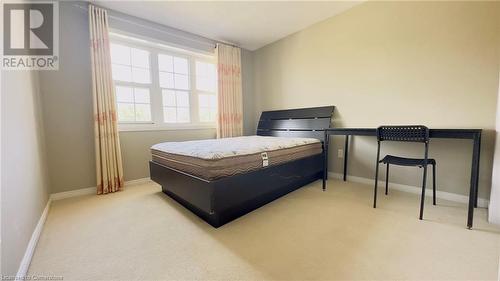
(124, 94)
(140, 58)
(213, 101)
(121, 73)
(204, 114)
(202, 83)
(182, 99)
(203, 101)
(142, 112)
(207, 107)
(213, 115)
(169, 114)
(126, 112)
(140, 75)
(141, 95)
(205, 69)
(213, 85)
(205, 84)
(180, 65)
(182, 115)
(181, 81)
(168, 98)
(166, 80)
(166, 63)
(211, 71)
(120, 54)
(205, 76)
(201, 69)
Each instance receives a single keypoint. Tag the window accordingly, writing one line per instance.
(206, 83)
(133, 104)
(130, 64)
(174, 81)
(160, 87)
(131, 73)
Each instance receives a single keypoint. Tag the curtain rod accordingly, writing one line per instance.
(213, 42)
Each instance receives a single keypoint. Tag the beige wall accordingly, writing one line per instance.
(67, 106)
(24, 180)
(494, 208)
(135, 147)
(67, 109)
(432, 63)
(247, 71)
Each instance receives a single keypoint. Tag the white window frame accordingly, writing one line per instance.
(157, 122)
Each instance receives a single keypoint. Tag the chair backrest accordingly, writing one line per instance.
(407, 133)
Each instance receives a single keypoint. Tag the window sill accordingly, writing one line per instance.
(156, 127)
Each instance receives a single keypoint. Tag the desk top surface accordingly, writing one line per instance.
(433, 133)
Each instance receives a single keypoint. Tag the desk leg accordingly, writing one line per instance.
(346, 148)
(477, 169)
(473, 179)
(325, 159)
(327, 150)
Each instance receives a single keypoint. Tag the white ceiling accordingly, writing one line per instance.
(250, 25)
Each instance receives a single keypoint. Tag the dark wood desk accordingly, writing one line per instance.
(472, 134)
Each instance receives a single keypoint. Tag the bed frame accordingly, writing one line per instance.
(223, 200)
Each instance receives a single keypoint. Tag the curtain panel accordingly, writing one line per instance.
(229, 98)
(109, 167)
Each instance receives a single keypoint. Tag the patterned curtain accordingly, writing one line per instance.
(107, 145)
(230, 102)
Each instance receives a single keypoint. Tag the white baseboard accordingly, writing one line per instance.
(30, 249)
(73, 193)
(481, 202)
(91, 190)
(137, 181)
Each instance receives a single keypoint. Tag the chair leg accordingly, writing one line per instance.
(387, 179)
(434, 184)
(422, 199)
(375, 191)
(376, 177)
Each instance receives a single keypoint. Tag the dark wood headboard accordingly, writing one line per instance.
(301, 122)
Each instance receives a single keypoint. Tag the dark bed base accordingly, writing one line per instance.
(221, 201)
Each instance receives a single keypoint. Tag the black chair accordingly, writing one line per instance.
(410, 133)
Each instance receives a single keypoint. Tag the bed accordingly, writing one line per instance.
(223, 179)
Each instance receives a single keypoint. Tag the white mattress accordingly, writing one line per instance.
(228, 147)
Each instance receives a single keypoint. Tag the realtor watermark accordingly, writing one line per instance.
(30, 35)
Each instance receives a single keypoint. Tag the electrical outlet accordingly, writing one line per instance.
(340, 153)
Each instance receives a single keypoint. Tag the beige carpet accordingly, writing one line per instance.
(140, 233)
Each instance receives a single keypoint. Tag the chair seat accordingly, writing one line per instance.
(402, 161)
